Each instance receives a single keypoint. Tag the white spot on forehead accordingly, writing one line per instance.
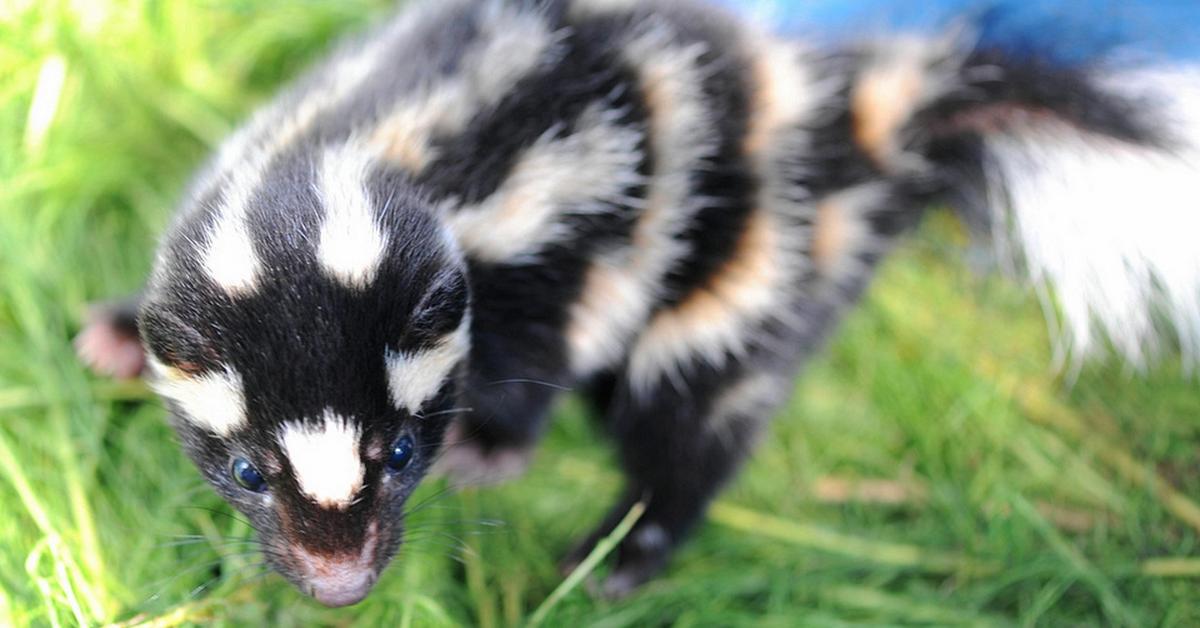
(229, 257)
(415, 377)
(214, 401)
(352, 244)
(324, 458)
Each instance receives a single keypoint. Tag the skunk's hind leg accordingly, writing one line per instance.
(679, 442)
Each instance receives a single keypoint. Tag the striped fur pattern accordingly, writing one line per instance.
(487, 202)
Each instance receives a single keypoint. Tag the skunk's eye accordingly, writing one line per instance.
(247, 476)
(402, 453)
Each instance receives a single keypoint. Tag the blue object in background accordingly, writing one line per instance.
(1070, 30)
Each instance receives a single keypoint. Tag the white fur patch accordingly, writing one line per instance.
(751, 398)
(590, 8)
(786, 93)
(788, 98)
(620, 289)
(514, 42)
(714, 320)
(511, 44)
(229, 257)
(351, 243)
(1110, 226)
(899, 77)
(413, 378)
(842, 232)
(275, 127)
(587, 171)
(214, 401)
(325, 458)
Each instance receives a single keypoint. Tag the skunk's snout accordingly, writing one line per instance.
(342, 587)
(338, 579)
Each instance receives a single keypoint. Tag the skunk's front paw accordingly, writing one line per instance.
(467, 461)
(640, 556)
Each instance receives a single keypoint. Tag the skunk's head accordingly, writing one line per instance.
(307, 336)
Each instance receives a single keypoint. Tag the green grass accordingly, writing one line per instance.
(931, 469)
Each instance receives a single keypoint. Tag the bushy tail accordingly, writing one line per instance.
(1112, 224)
(1091, 173)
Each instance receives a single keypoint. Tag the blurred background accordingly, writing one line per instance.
(934, 466)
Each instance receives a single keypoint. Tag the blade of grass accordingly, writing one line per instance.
(894, 554)
(1170, 567)
(66, 584)
(7, 617)
(37, 511)
(91, 588)
(898, 606)
(10, 465)
(26, 398)
(51, 77)
(1103, 588)
(1042, 407)
(577, 575)
(485, 602)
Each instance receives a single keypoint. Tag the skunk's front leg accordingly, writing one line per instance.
(492, 440)
(680, 441)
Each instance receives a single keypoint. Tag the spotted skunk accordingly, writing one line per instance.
(427, 238)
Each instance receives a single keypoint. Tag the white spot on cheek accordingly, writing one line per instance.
(415, 377)
(352, 244)
(242, 165)
(325, 459)
(214, 401)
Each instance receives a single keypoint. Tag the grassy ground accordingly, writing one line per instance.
(932, 468)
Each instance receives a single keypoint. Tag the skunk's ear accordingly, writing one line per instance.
(437, 313)
(174, 342)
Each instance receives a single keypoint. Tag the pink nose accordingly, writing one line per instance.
(340, 579)
(342, 587)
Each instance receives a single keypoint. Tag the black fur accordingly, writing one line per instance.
(304, 343)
